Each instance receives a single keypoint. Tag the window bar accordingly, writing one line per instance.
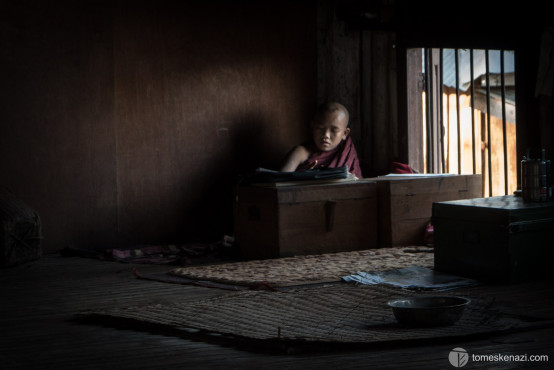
(472, 96)
(505, 140)
(429, 112)
(426, 89)
(488, 120)
(459, 140)
(441, 117)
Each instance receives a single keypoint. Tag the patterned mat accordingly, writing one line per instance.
(338, 313)
(301, 270)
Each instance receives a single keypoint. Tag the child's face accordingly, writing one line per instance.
(329, 130)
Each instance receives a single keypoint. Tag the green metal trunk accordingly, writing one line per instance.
(497, 239)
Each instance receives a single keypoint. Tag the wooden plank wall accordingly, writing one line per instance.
(338, 66)
(57, 139)
(127, 122)
(204, 93)
(381, 122)
(358, 68)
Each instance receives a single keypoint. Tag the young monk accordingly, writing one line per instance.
(331, 145)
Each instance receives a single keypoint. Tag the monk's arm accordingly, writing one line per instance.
(296, 156)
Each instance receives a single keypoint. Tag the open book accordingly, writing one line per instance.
(263, 176)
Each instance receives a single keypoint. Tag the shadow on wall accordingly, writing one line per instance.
(201, 209)
(248, 146)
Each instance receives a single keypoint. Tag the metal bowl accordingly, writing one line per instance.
(428, 311)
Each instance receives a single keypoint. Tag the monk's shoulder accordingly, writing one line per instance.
(302, 151)
(295, 157)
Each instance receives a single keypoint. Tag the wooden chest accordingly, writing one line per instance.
(279, 220)
(405, 203)
(497, 239)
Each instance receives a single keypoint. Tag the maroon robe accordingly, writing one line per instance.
(343, 155)
(398, 167)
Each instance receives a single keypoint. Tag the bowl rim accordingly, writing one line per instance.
(463, 301)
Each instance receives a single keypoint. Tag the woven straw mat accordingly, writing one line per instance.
(309, 269)
(335, 313)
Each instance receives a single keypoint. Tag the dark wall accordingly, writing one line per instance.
(127, 122)
(57, 134)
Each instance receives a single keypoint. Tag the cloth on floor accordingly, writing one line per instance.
(415, 277)
(176, 254)
(155, 254)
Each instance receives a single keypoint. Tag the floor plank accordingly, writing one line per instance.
(39, 331)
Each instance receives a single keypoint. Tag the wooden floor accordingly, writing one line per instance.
(39, 301)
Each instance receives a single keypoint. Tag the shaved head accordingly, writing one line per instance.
(332, 108)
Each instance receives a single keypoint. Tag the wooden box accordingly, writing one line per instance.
(405, 203)
(497, 239)
(284, 220)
